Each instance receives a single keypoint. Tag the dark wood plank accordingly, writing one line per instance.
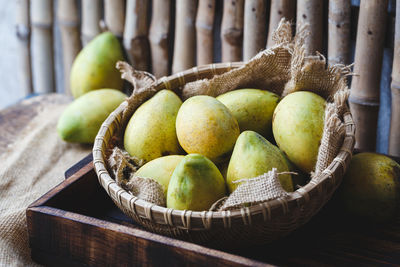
(79, 238)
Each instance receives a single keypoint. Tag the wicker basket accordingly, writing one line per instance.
(257, 224)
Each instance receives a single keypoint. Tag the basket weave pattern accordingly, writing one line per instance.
(256, 224)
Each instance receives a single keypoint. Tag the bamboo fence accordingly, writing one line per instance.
(185, 36)
(339, 42)
(280, 9)
(311, 12)
(159, 37)
(394, 138)
(68, 20)
(136, 42)
(204, 31)
(42, 46)
(254, 28)
(364, 96)
(232, 30)
(24, 47)
(91, 17)
(114, 16)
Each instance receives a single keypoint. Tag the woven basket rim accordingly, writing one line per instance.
(203, 219)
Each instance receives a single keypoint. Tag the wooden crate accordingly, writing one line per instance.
(76, 224)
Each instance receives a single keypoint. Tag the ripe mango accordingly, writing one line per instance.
(253, 155)
(82, 119)
(94, 67)
(370, 188)
(297, 125)
(160, 170)
(252, 108)
(196, 184)
(150, 132)
(205, 126)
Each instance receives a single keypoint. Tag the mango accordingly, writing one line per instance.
(196, 184)
(370, 188)
(252, 108)
(205, 126)
(253, 155)
(160, 170)
(82, 119)
(297, 125)
(94, 67)
(299, 178)
(151, 132)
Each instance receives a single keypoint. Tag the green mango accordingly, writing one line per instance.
(253, 155)
(82, 119)
(151, 131)
(252, 108)
(206, 126)
(160, 170)
(196, 184)
(297, 125)
(94, 67)
(370, 189)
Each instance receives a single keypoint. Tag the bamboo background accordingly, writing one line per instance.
(205, 31)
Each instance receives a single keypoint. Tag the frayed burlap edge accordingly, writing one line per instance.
(334, 132)
(146, 189)
(255, 190)
(268, 70)
(124, 168)
(123, 165)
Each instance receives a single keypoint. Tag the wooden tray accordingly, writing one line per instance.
(76, 224)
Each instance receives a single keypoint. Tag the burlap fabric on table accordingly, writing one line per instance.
(283, 70)
(30, 166)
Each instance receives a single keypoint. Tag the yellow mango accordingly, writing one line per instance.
(196, 184)
(151, 132)
(252, 108)
(94, 67)
(254, 155)
(297, 125)
(370, 188)
(205, 126)
(82, 119)
(160, 170)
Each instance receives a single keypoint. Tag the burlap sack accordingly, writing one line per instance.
(124, 167)
(255, 190)
(283, 69)
(33, 163)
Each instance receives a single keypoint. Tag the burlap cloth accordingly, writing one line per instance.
(33, 163)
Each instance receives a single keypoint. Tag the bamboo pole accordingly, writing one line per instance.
(23, 34)
(135, 40)
(311, 12)
(232, 30)
(159, 37)
(185, 37)
(364, 95)
(67, 16)
(394, 137)
(339, 31)
(204, 31)
(114, 16)
(42, 46)
(255, 23)
(91, 17)
(279, 9)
